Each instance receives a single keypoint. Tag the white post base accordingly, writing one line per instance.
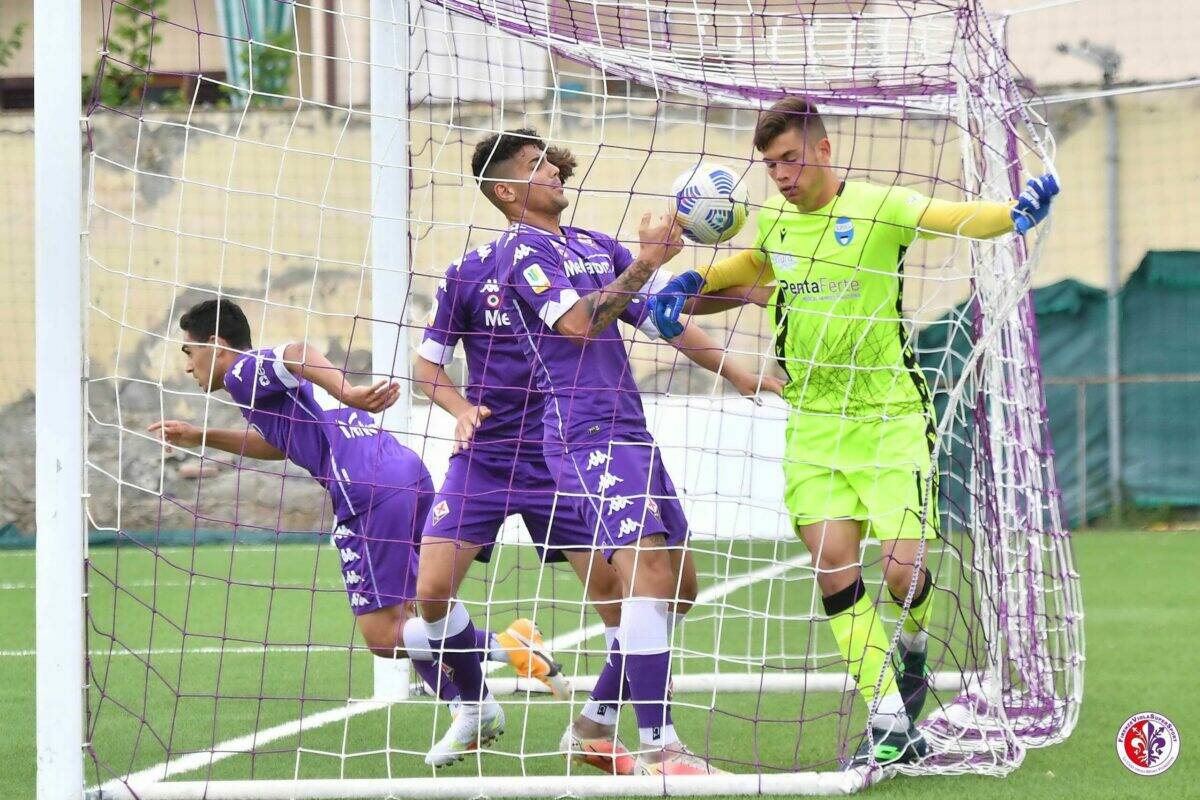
(393, 679)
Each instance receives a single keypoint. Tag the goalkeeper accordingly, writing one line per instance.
(861, 432)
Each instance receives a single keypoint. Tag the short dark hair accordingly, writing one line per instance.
(790, 113)
(203, 320)
(497, 150)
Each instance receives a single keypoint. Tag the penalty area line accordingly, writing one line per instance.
(248, 743)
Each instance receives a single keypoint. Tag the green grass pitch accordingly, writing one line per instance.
(1140, 600)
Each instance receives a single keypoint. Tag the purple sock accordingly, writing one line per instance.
(483, 643)
(436, 680)
(460, 656)
(649, 676)
(611, 683)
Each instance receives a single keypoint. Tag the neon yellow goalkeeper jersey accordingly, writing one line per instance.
(837, 307)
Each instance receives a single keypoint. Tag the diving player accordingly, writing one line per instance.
(300, 407)
(861, 433)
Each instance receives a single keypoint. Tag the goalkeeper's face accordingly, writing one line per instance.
(799, 168)
(536, 187)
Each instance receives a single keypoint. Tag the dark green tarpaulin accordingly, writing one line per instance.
(1160, 421)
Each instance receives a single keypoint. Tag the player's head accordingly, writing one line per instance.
(793, 142)
(215, 334)
(520, 175)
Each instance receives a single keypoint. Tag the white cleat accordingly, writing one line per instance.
(474, 727)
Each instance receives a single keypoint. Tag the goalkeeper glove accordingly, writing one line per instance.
(1033, 204)
(666, 306)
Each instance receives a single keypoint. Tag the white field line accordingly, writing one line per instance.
(353, 708)
(204, 651)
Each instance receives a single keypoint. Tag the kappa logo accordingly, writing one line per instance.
(348, 555)
(490, 285)
(351, 578)
(237, 368)
(484, 251)
(597, 458)
(608, 480)
(630, 525)
(619, 503)
(536, 278)
(357, 600)
(440, 512)
(340, 532)
(521, 253)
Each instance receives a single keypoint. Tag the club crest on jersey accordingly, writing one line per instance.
(652, 506)
(440, 512)
(536, 278)
(843, 231)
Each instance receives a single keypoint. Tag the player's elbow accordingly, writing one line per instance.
(575, 329)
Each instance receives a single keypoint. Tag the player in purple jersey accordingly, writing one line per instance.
(566, 287)
(300, 407)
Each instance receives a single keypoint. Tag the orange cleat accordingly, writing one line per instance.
(529, 657)
(606, 753)
(677, 760)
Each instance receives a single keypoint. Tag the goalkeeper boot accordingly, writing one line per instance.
(913, 679)
(474, 726)
(677, 760)
(605, 753)
(887, 747)
(530, 658)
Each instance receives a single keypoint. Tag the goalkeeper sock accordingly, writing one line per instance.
(490, 648)
(861, 640)
(912, 633)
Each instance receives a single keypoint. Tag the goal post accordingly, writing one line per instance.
(59, 424)
(223, 659)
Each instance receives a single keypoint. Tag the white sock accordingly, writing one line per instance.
(658, 736)
(609, 635)
(496, 651)
(416, 643)
(675, 623)
(601, 713)
(644, 626)
(890, 714)
(454, 622)
(914, 642)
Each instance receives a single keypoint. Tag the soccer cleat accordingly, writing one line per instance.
(605, 753)
(469, 730)
(678, 760)
(913, 680)
(529, 657)
(890, 747)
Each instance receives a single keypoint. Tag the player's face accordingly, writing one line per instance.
(202, 364)
(541, 190)
(798, 167)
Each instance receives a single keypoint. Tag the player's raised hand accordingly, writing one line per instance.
(465, 425)
(1033, 204)
(176, 432)
(374, 398)
(666, 306)
(661, 240)
(753, 386)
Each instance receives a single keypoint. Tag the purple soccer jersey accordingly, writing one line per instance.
(596, 441)
(342, 448)
(589, 391)
(504, 471)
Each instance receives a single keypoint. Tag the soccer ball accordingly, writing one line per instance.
(710, 204)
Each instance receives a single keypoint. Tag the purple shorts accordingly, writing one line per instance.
(379, 548)
(483, 488)
(622, 489)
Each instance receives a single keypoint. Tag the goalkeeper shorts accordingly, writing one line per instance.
(876, 471)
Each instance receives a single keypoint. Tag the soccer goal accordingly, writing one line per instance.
(311, 161)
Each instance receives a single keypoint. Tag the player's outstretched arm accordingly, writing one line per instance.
(980, 219)
(698, 346)
(691, 291)
(306, 362)
(247, 442)
(660, 242)
(434, 382)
